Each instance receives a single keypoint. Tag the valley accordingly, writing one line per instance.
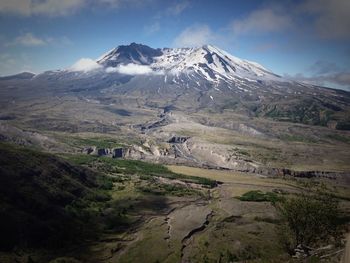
(225, 140)
(180, 214)
(192, 160)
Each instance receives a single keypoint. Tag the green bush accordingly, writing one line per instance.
(259, 196)
(105, 183)
(130, 167)
(167, 189)
(309, 219)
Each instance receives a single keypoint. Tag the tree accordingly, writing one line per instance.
(309, 219)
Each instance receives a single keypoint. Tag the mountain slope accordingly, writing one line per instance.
(44, 200)
(23, 75)
(191, 79)
(207, 61)
(220, 81)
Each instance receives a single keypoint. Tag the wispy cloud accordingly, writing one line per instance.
(331, 19)
(152, 28)
(327, 19)
(112, 3)
(335, 80)
(119, 3)
(309, 20)
(193, 36)
(7, 59)
(177, 8)
(258, 22)
(56, 8)
(322, 67)
(85, 64)
(131, 69)
(325, 73)
(59, 41)
(19, 61)
(341, 78)
(264, 47)
(29, 39)
(45, 7)
(261, 21)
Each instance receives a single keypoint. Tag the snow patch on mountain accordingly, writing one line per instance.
(201, 66)
(207, 62)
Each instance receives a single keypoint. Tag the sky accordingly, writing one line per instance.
(307, 40)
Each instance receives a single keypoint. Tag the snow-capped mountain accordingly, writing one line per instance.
(167, 72)
(208, 61)
(189, 79)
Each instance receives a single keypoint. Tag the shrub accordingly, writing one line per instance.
(258, 196)
(309, 219)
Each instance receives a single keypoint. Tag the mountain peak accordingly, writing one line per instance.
(209, 61)
(133, 53)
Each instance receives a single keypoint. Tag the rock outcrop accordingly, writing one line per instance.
(178, 139)
(111, 152)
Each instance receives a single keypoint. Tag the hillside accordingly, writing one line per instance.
(39, 193)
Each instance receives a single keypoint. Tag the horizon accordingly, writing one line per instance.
(301, 40)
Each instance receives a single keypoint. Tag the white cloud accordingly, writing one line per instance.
(331, 17)
(133, 69)
(21, 7)
(7, 59)
(111, 70)
(85, 64)
(322, 67)
(152, 28)
(178, 8)
(60, 7)
(59, 41)
(29, 39)
(194, 36)
(15, 63)
(44, 7)
(328, 19)
(56, 8)
(262, 21)
(121, 3)
(113, 3)
(340, 80)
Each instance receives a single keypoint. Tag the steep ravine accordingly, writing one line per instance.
(187, 239)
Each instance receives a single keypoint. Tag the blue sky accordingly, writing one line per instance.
(305, 39)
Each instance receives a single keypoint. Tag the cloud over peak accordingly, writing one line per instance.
(131, 69)
(85, 64)
(194, 36)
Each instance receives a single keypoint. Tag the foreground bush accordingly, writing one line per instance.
(310, 220)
